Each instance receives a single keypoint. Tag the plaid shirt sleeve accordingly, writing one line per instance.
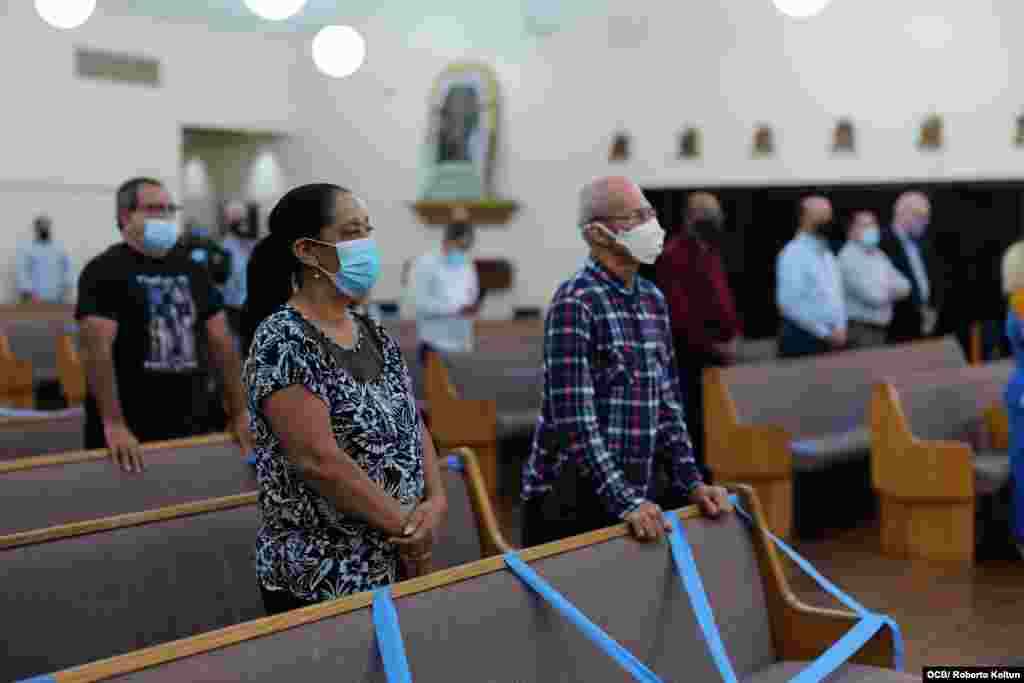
(570, 389)
(673, 438)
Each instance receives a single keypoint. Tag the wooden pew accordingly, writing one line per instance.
(928, 475)
(481, 622)
(70, 371)
(766, 422)
(70, 489)
(17, 386)
(131, 581)
(36, 340)
(39, 432)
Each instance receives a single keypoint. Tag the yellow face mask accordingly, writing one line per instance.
(1017, 303)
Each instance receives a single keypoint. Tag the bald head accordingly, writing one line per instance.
(911, 213)
(814, 211)
(609, 197)
(703, 201)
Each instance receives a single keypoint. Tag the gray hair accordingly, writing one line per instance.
(128, 195)
(1013, 268)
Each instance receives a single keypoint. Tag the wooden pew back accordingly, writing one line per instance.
(480, 622)
(57, 431)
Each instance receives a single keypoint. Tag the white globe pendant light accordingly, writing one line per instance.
(65, 14)
(801, 9)
(275, 10)
(338, 51)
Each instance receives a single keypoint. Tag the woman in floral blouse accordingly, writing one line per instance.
(350, 488)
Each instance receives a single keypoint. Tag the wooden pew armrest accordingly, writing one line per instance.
(464, 422)
(929, 471)
(809, 631)
(755, 452)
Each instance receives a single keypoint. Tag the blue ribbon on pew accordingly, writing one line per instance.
(836, 655)
(39, 679)
(250, 459)
(687, 566)
(592, 631)
(832, 589)
(455, 463)
(389, 637)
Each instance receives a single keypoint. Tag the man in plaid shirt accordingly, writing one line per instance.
(612, 408)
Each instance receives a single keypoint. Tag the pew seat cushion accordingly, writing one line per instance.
(823, 452)
(516, 424)
(781, 672)
(991, 471)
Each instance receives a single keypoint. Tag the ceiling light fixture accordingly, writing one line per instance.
(275, 10)
(65, 14)
(338, 51)
(801, 9)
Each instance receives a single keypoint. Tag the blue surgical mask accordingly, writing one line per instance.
(159, 237)
(870, 237)
(456, 257)
(360, 267)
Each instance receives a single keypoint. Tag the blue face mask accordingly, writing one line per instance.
(360, 266)
(159, 237)
(456, 257)
(870, 237)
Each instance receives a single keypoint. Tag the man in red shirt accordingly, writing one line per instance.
(705, 326)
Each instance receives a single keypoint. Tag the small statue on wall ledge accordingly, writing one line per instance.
(843, 137)
(690, 144)
(931, 133)
(620, 148)
(764, 142)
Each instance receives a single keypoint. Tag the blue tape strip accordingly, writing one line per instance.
(687, 566)
(841, 650)
(250, 459)
(455, 463)
(592, 631)
(39, 679)
(389, 637)
(832, 589)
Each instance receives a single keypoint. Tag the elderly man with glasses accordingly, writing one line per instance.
(611, 443)
(148, 316)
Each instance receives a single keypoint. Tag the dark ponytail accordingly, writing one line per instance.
(273, 268)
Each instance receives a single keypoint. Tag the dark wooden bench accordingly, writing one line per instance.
(36, 341)
(937, 451)
(766, 423)
(73, 488)
(115, 584)
(481, 622)
(31, 433)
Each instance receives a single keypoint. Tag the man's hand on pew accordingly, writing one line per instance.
(124, 446)
(712, 500)
(647, 522)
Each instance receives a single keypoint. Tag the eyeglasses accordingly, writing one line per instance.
(159, 209)
(639, 216)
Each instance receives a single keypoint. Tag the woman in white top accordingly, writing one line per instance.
(870, 282)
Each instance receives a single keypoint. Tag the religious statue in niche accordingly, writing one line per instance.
(931, 133)
(1018, 136)
(842, 138)
(764, 143)
(690, 144)
(620, 148)
(462, 133)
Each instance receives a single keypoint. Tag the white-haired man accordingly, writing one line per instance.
(612, 407)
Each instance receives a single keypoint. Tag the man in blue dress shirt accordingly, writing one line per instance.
(809, 288)
(44, 269)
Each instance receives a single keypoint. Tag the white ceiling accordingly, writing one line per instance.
(539, 16)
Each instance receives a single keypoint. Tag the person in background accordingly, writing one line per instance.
(351, 495)
(447, 293)
(870, 283)
(809, 289)
(407, 300)
(904, 243)
(44, 269)
(1013, 287)
(197, 244)
(612, 418)
(145, 314)
(239, 243)
(705, 326)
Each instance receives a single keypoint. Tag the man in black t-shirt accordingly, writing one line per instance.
(146, 313)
